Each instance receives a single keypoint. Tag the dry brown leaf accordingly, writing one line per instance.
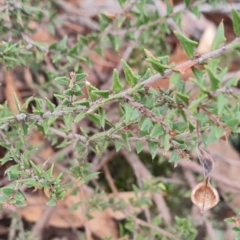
(37, 139)
(41, 34)
(101, 224)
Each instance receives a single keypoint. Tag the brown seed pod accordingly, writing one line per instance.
(204, 195)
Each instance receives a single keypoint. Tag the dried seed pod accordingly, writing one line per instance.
(204, 195)
(205, 160)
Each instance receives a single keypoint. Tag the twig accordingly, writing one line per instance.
(12, 229)
(207, 8)
(69, 136)
(104, 160)
(210, 230)
(109, 179)
(227, 90)
(229, 76)
(157, 229)
(196, 61)
(225, 8)
(211, 116)
(143, 110)
(39, 226)
(86, 221)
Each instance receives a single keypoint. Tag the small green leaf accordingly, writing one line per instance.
(19, 196)
(50, 105)
(116, 42)
(62, 45)
(166, 142)
(128, 113)
(157, 65)
(147, 74)
(45, 126)
(80, 116)
(68, 120)
(175, 158)
(221, 103)
(198, 74)
(104, 21)
(135, 115)
(126, 140)
(117, 85)
(174, 80)
(232, 123)
(83, 102)
(101, 93)
(37, 169)
(146, 125)
(219, 38)
(196, 11)
(95, 118)
(195, 103)
(153, 147)
(122, 3)
(187, 44)
(157, 131)
(236, 22)
(182, 97)
(118, 145)
(59, 97)
(62, 80)
(232, 220)
(80, 76)
(236, 229)
(13, 172)
(130, 76)
(102, 116)
(187, 2)
(214, 79)
(52, 203)
(200, 85)
(49, 173)
(17, 102)
(89, 176)
(7, 191)
(139, 146)
(180, 127)
(232, 82)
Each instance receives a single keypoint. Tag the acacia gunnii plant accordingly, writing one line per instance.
(125, 114)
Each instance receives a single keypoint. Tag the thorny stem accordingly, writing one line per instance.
(22, 117)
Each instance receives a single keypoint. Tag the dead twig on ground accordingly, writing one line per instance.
(39, 226)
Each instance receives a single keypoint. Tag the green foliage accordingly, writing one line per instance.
(187, 44)
(236, 22)
(71, 112)
(219, 38)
